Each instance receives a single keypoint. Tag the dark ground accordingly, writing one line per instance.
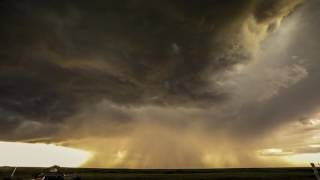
(178, 174)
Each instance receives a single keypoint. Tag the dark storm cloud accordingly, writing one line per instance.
(58, 57)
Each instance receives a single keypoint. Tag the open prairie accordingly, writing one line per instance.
(176, 174)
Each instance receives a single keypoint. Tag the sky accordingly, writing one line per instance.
(160, 84)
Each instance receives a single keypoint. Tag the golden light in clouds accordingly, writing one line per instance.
(289, 158)
(303, 159)
(40, 155)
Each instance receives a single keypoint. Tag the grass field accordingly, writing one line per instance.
(177, 174)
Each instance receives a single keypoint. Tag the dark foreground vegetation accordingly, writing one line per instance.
(178, 174)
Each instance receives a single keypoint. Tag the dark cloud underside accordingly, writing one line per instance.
(104, 67)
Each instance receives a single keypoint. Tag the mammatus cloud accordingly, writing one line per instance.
(140, 79)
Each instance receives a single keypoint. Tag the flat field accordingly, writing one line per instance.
(173, 174)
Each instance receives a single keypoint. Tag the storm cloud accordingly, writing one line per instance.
(186, 69)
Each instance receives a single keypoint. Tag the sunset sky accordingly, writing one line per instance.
(160, 84)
